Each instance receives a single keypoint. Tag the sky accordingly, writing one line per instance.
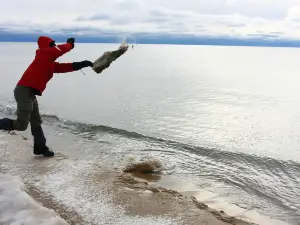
(236, 19)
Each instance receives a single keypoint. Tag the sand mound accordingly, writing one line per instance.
(144, 166)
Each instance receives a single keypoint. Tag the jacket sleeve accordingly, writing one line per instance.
(60, 50)
(63, 67)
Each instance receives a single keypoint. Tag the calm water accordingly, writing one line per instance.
(226, 118)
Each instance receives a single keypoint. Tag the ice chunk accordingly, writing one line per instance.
(17, 207)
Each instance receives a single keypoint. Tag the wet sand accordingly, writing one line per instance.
(137, 194)
(143, 199)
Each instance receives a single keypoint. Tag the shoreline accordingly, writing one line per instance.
(142, 199)
(59, 184)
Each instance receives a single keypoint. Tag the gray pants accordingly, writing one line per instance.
(27, 109)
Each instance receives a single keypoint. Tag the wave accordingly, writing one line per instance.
(216, 154)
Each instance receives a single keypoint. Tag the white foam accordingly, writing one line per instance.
(17, 207)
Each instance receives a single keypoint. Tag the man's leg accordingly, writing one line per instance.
(40, 147)
(24, 101)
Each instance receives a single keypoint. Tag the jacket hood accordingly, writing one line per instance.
(44, 42)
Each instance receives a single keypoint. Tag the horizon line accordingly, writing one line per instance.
(158, 39)
(166, 43)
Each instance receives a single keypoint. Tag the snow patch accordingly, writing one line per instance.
(17, 207)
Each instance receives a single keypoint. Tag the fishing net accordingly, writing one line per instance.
(107, 58)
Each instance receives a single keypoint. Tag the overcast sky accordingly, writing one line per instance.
(237, 18)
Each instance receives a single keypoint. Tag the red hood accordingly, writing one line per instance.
(44, 42)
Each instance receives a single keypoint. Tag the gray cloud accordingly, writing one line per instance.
(240, 18)
(104, 17)
(127, 4)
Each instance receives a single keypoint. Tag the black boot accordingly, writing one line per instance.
(39, 147)
(6, 124)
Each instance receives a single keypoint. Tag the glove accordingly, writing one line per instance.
(71, 41)
(82, 64)
(87, 63)
(52, 44)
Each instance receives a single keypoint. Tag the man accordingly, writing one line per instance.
(32, 83)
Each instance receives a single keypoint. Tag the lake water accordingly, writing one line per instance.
(224, 118)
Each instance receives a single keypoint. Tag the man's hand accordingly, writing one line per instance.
(82, 64)
(71, 41)
(86, 63)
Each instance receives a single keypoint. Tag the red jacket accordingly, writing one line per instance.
(43, 66)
